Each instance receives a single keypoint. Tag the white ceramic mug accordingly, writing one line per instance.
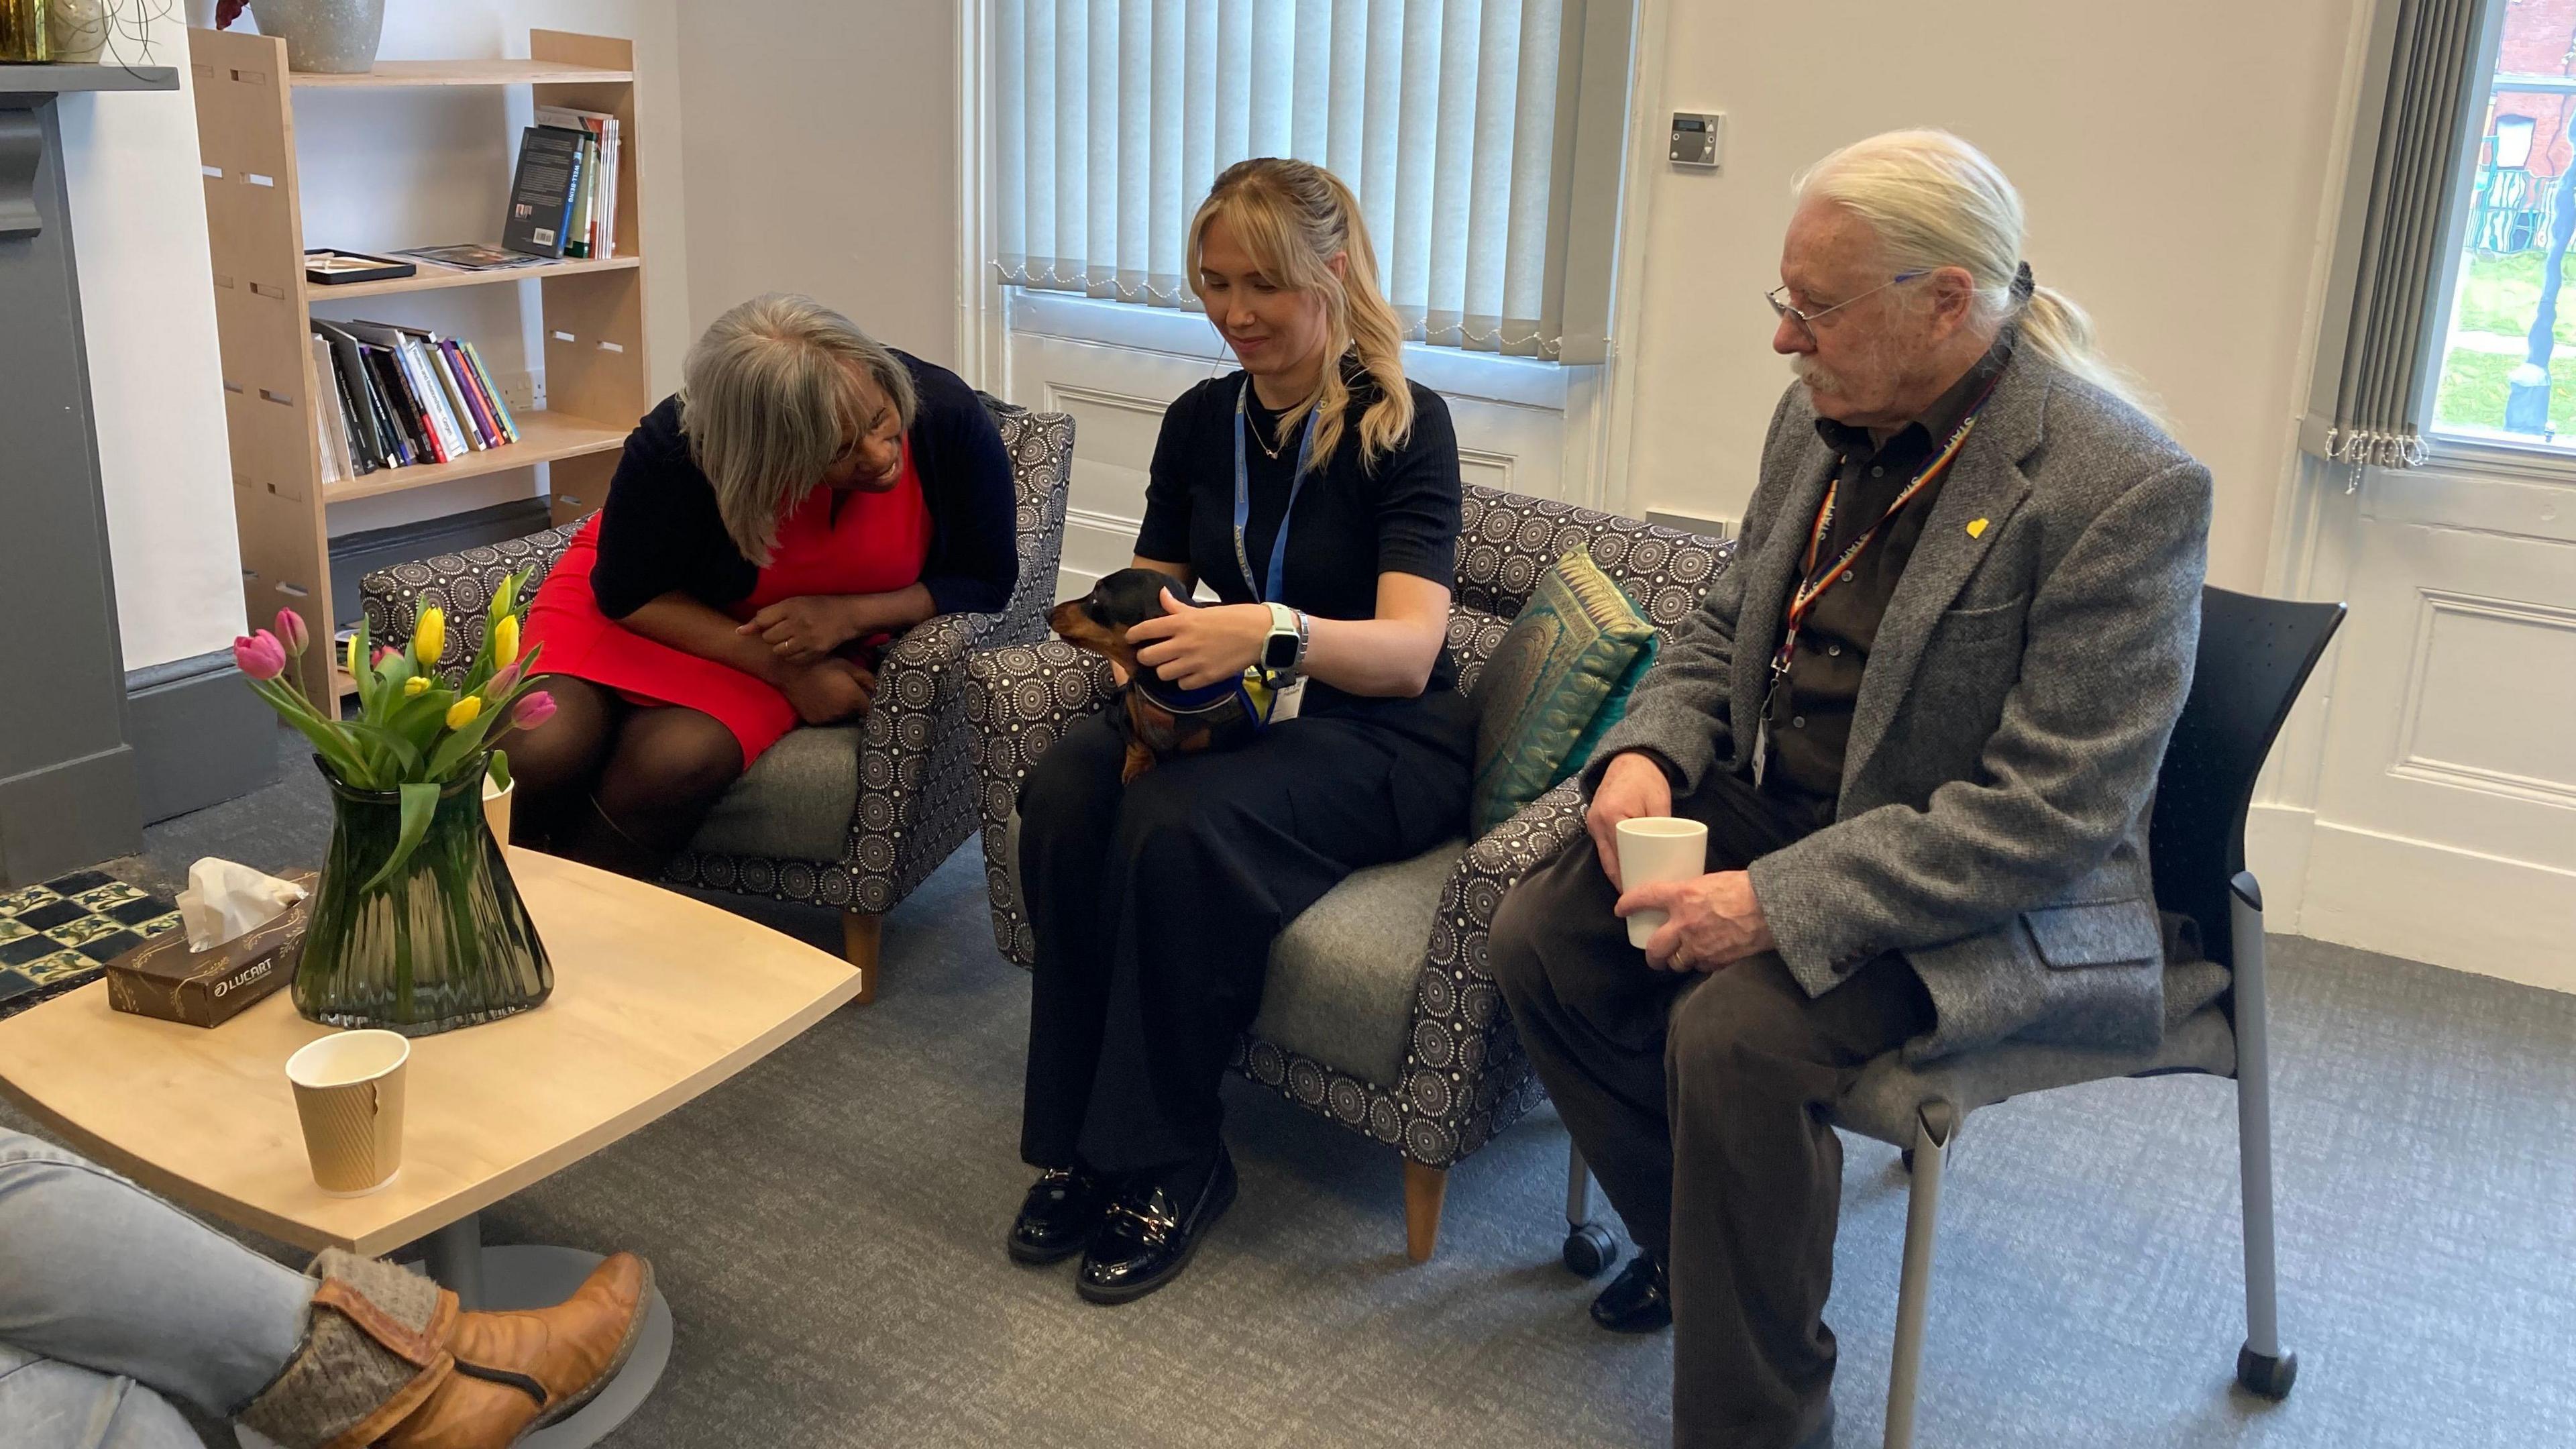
(349, 1096)
(1656, 848)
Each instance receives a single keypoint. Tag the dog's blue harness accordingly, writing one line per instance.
(1226, 702)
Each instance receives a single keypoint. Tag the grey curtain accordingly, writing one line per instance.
(2401, 229)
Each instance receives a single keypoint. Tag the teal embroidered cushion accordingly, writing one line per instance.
(1557, 683)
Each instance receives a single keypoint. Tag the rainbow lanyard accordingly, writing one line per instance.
(1813, 584)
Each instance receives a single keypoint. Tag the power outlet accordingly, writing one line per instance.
(523, 392)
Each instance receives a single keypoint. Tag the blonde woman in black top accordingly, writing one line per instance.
(1317, 479)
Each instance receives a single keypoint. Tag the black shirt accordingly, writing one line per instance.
(660, 531)
(1399, 514)
(1811, 717)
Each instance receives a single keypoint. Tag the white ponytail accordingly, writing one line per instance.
(1936, 201)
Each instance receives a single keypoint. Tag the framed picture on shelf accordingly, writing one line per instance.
(328, 268)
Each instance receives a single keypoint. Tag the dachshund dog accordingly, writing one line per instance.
(1163, 719)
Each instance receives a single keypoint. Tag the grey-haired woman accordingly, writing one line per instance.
(806, 496)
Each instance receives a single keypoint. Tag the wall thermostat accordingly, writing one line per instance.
(1695, 137)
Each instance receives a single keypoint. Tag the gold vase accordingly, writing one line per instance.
(22, 31)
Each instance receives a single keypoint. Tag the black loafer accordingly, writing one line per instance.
(1148, 1238)
(1060, 1216)
(1637, 1301)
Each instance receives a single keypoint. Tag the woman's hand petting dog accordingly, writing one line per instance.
(1194, 648)
(829, 689)
(803, 630)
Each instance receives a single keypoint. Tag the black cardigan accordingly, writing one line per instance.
(660, 529)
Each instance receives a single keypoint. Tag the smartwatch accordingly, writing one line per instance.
(1284, 650)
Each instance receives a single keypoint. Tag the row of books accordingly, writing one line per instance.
(404, 396)
(563, 202)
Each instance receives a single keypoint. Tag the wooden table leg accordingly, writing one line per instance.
(862, 934)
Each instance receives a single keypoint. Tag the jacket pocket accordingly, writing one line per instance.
(2096, 933)
(1979, 625)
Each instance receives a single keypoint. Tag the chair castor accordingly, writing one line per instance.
(1589, 1249)
(2270, 1377)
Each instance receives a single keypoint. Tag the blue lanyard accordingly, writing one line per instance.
(1243, 501)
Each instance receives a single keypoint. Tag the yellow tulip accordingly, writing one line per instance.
(418, 684)
(505, 641)
(462, 713)
(353, 656)
(430, 637)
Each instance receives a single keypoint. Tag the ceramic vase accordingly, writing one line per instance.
(79, 29)
(334, 36)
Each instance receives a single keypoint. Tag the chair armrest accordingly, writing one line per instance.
(1030, 693)
(460, 584)
(1465, 1076)
(1020, 701)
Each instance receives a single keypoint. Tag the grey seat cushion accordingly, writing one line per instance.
(2197, 1039)
(1342, 976)
(795, 801)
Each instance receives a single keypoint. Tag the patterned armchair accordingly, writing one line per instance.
(1379, 1012)
(850, 816)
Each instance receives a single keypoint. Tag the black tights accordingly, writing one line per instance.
(617, 785)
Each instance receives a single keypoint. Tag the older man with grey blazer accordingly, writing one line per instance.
(1921, 716)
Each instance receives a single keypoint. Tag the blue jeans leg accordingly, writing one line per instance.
(96, 1272)
(49, 1405)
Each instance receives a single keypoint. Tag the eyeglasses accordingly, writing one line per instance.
(1778, 297)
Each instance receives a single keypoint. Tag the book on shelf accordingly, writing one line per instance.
(327, 437)
(544, 190)
(472, 257)
(597, 228)
(404, 396)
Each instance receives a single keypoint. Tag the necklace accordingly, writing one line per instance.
(1261, 440)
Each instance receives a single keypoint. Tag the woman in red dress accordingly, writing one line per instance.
(808, 495)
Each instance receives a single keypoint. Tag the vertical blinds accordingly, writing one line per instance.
(1453, 120)
(2419, 120)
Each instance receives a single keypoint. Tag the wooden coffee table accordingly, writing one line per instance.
(657, 998)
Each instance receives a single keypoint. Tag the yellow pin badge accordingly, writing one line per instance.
(1976, 528)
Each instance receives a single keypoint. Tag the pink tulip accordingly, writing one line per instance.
(380, 656)
(260, 655)
(291, 631)
(502, 679)
(533, 710)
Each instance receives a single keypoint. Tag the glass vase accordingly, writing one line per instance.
(442, 942)
(23, 31)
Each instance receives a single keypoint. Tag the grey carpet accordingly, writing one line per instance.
(827, 1228)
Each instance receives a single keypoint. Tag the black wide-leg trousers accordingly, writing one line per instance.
(1701, 1103)
(1155, 904)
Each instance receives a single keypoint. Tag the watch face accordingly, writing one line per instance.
(1280, 652)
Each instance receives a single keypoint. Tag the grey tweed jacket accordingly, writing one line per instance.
(1992, 824)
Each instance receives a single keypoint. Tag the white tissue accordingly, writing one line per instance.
(224, 900)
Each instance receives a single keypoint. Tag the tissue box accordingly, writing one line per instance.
(163, 978)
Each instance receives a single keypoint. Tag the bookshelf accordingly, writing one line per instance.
(596, 376)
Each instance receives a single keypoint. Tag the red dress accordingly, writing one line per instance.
(874, 544)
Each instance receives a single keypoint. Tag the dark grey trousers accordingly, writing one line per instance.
(1701, 1103)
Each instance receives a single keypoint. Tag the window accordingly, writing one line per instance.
(2505, 349)
(1461, 125)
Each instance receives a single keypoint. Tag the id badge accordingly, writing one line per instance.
(1292, 698)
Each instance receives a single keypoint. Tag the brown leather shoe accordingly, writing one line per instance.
(517, 1372)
